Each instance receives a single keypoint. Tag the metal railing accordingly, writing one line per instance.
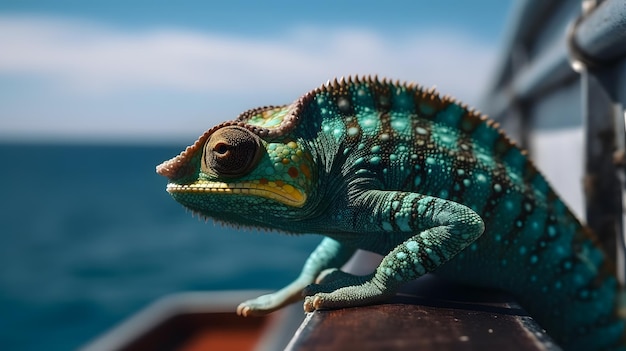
(586, 45)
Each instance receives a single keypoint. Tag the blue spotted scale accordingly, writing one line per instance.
(421, 179)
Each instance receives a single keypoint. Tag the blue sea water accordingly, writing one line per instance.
(88, 236)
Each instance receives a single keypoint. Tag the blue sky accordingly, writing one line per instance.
(161, 71)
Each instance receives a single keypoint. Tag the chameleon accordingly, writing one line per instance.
(419, 178)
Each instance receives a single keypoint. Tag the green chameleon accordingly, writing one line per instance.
(420, 179)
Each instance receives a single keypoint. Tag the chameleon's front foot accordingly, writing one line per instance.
(339, 290)
(350, 296)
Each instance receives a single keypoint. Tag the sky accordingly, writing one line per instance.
(162, 71)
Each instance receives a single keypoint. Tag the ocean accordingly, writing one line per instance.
(88, 236)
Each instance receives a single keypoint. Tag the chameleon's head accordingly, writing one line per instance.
(246, 171)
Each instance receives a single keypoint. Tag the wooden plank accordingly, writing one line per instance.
(201, 331)
(428, 315)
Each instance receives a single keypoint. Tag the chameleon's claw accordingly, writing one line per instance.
(243, 310)
(308, 305)
(269, 303)
(312, 303)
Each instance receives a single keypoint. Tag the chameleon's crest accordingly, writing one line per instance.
(428, 102)
(270, 122)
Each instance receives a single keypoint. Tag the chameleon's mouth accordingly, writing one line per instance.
(277, 191)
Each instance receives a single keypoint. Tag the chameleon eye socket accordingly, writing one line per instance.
(231, 152)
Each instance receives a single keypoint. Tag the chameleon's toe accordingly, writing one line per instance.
(259, 306)
(243, 309)
(246, 310)
(312, 303)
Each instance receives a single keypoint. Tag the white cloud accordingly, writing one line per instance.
(81, 58)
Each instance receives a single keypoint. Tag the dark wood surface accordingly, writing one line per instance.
(428, 315)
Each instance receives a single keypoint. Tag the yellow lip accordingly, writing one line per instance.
(280, 192)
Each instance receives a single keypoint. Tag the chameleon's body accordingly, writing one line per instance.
(397, 170)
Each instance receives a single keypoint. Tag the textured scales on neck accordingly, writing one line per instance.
(421, 179)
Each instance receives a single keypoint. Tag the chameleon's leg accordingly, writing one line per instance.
(442, 227)
(329, 253)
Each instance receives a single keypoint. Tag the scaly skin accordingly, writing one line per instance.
(418, 178)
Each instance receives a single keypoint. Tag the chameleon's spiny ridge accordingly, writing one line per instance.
(419, 178)
(170, 167)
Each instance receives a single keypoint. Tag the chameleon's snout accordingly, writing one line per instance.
(173, 169)
(164, 170)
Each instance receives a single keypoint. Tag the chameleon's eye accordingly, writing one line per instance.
(231, 152)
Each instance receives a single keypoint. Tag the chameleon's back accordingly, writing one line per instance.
(412, 140)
